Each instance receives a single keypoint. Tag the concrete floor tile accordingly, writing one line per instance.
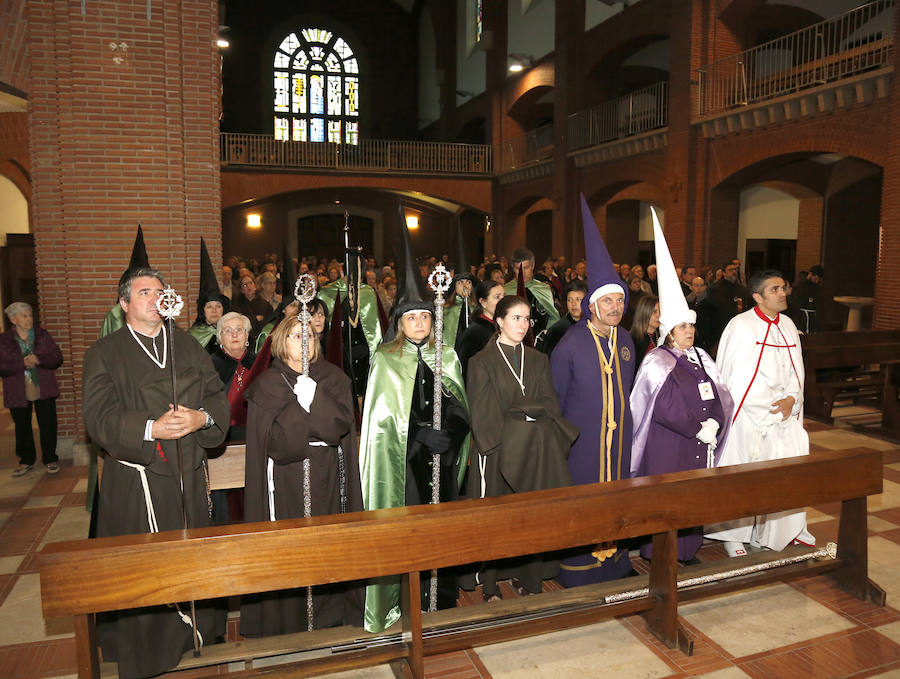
(21, 620)
(607, 645)
(762, 618)
(9, 564)
(72, 523)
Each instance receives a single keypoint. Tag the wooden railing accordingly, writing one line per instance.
(843, 46)
(640, 111)
(147, 570)
(369, 155)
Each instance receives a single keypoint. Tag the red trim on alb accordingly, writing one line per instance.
(755, 370)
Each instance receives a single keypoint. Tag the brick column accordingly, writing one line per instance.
(123, 129)
(887, 278)
(567, 99)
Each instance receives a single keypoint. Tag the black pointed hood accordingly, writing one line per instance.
(209, 286)
(138, 256)
(411, 290)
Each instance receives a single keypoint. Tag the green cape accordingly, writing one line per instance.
(451, 320)
(544, 295)
(368, 309)
(203, 334)
(115, 319)
(263, 334)
(382, 450)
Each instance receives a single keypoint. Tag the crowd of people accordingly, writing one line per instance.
(549, 377)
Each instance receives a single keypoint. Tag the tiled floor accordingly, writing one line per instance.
(806, 628)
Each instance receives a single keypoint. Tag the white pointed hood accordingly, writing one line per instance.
(673, 308)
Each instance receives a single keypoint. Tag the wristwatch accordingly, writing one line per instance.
(209, 419)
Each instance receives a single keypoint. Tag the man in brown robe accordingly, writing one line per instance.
(127, 396)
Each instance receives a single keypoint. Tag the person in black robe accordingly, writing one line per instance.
(293, 418)
(645, 327)
(575, 292)
(481, 328)
(521, 440)
(126, 397)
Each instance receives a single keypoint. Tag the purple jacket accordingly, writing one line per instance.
(12, 367)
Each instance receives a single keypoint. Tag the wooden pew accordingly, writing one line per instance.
(849, 367)
(84, 577)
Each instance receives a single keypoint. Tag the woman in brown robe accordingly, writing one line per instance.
(521, 440)
(293, 418)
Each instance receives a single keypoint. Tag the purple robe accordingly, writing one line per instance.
(668, 410)
(578, 380)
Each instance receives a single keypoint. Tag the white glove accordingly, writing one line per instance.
(708, 430)
(305, 389)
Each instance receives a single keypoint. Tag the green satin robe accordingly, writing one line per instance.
(544, 295)
(368, 309)
(382, 450)
(451, 320)
(203, 334)
(115, 319)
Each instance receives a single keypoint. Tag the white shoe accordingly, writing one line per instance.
(735, 549)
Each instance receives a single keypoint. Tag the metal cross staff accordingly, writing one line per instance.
(304, 291)
(169, 305)
(439, 281)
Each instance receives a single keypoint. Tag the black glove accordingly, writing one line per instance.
(436, 440)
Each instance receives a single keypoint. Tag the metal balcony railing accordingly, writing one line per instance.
(843, 46)
(369, 155)
(640, 111)
(527, 149)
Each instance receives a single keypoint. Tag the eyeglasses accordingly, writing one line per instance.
(247, 284)
(234, 331)
(295, 336)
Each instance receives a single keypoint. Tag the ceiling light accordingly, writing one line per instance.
(254, 220)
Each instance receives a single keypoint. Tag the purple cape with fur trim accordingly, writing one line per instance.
(653, 373)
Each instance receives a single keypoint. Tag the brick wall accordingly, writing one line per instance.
(122, 131)
(13, 45)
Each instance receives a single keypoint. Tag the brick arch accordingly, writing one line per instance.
(15, 173)
(848, 134)
(529, 203)
(528, 89)
(642, 191)
(241, 187)
(619, 36)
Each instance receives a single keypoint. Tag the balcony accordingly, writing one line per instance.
(842, 61)
(527, 156)
(634, 123)
(369, 156)
(640, 111)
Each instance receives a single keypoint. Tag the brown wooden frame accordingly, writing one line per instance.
(84, 577)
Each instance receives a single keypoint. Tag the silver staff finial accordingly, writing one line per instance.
(169, 304)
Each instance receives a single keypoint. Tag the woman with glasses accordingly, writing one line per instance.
(295, 418)
(233, 360)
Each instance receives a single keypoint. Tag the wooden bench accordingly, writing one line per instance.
(853, 370)
(84, 577)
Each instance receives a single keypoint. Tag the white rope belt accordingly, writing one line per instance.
(154, 526)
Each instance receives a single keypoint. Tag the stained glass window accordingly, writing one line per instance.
(479, 19)
(316, 88)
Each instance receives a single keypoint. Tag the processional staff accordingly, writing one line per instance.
(439, 282)
(169, 305)
(305, 291)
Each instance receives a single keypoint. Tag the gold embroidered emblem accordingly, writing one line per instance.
(626, 354)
